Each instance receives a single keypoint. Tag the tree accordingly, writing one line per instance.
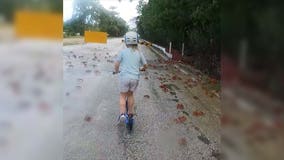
(195, 23)
(90, 15)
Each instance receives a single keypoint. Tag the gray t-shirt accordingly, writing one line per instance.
(130, 62)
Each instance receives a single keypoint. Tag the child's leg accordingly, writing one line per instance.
(130, 95)
(130, 102)
(122, 101)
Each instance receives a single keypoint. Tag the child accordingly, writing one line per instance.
(128, 64)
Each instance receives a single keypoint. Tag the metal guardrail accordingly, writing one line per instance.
(162, 49)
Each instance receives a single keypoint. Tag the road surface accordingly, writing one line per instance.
(176, 116)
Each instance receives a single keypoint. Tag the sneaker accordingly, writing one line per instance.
(121, 119)
(130, 122)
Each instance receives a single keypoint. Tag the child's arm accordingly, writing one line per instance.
(117, 62)
(116, 66)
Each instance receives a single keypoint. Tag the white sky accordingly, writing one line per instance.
(125, 8)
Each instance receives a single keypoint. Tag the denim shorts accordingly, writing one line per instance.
(126, 85)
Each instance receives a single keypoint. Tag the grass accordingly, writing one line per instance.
(73, 40)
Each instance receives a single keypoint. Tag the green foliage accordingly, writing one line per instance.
(260, 24)
(90, 15)
(193, 22)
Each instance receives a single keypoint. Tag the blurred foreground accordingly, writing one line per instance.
(30, 82)
(252, 80)
(30, 98)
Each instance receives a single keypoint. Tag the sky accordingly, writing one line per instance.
(125, 8)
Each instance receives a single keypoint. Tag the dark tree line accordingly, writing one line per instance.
(253, 35)
(196, 23)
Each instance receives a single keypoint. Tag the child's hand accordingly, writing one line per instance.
(142, 69)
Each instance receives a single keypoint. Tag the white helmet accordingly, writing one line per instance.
(131, 38)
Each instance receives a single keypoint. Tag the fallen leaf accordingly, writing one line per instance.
(88, 118)
(146, 96)
(43, 106)
(196, 128)
(180, 119)
(180, 106)
(182, 141)
(196, 98)
(165, 89)
(198, 113)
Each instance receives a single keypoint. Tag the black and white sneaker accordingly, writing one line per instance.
(121, 119)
